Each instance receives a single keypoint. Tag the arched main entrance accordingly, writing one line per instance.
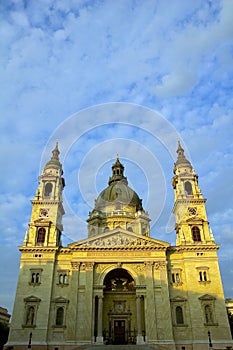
(120, 308)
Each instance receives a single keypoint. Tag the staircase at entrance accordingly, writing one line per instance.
(119, 347)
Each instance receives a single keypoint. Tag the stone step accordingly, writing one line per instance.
(119, 347)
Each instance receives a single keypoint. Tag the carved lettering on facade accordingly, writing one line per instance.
(114, 253)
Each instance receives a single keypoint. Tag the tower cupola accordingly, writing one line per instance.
(117, 173)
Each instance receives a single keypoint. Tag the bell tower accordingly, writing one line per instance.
(45, 226)
(192, 226)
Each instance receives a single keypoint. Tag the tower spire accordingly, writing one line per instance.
(47, 210)
(54, 161)
(189, 207)
(181, 159)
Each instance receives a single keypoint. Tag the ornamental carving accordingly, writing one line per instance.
(100, 268)
(192, 211)
(140, 267)
(75, 265)
(156, 264)
(160, 265)
(87, 266)
(118, 240)
(44, 212)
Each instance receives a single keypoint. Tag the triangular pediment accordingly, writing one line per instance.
(207, 297)
(178, 299)
(61, 300)
(119, 238)
(32, 299)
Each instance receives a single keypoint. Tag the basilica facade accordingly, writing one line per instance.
(119, 285)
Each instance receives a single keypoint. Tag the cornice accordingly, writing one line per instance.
(193, 248)
(46, 201)
(189, 201)
(120, 248)
(35, 249)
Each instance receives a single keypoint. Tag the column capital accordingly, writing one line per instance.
(75, 265)
(138, 296)
(87, 266)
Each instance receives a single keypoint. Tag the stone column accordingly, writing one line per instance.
(140, 339)
(99, 338)
(73, 311)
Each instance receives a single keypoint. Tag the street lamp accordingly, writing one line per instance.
(30, 341)
(210, 343)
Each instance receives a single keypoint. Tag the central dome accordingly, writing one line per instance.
(118, 192)
(118, 206)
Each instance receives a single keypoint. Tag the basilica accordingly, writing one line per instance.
(119, 285)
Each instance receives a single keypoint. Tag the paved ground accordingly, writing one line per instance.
(119, 347)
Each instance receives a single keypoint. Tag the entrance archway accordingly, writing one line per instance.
(119, 307)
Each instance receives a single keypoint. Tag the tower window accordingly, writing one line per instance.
(196, 234)
(35, 276)
(179, 315)
(41, 235)
(176, 276)
(48, 189)
(188, 188)
(63, 277)
(59, 316)
(203, 276)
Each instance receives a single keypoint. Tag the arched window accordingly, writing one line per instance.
(59, 316)
(188, 188)
(30, 316)
(37, 277)
(208, 314)
(106, 229)
(177, 277)
(33, 279)
(61, 278)
(130, 229)
(204, 276)
(196, 234)
(65, 279)
(41, 235)
(48, 189)
(179, 315)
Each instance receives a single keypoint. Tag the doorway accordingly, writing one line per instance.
(119, 332)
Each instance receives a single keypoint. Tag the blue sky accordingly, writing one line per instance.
(115, 76)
